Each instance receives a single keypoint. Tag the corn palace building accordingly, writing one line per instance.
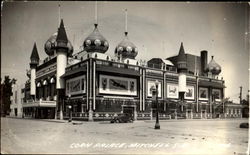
(98, 86)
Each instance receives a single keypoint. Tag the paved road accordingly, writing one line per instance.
(174, 137)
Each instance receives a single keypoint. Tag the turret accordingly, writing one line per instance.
(62, 51)
(182, 69)
(181, 61)
(34, 61)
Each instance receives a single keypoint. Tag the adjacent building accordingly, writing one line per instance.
(17, 99)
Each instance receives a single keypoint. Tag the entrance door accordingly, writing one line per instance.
(203, 114)
(188, 114)
(128, 110)
(15, 111)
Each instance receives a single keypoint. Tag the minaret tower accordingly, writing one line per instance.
(34, 61)
(94, 43)
(126, 49)
(182, 70)
(62, 52)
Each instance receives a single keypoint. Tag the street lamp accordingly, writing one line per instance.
(157, 124)
(213, 105)
(70, 110)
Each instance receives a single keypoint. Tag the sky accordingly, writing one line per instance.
(156, 28)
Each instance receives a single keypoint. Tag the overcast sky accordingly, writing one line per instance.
(156, 28)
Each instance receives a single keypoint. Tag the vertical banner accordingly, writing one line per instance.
(182, 82)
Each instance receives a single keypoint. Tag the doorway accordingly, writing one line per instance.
(203, 114)
(189, 114)
(129, 110)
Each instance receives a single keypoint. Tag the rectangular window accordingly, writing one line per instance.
(67, 87)
(16, 97)
(82, 84)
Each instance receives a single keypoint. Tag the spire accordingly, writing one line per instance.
(181, 56)
(181, 60)
(59, 13)
(34, 56)
(62, 36)
(126, 22)
(96, 13)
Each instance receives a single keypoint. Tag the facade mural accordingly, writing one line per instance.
(217, 94)
(172, 91)
(117, 85)
(76, 85)
(203, 93)
(190, 93)
(150, 85)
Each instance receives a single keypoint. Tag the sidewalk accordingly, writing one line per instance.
(203, 119)
(78, 122)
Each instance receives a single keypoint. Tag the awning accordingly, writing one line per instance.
(40, 103)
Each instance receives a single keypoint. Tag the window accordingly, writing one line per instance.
(16, 97)
(49, 90)
(82, 84)
(67, 87)
(53, 89)
(74, 108)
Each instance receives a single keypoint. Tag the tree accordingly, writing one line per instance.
(245, 110)
(6, 93)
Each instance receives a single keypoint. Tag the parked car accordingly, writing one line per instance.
(122, 118)
(244, 125)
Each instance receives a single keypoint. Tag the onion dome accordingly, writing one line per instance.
(49, 46)
(51, 43)
(34, 58)
(95, 42)
(181, 60)
(126, 48)
(213, 67)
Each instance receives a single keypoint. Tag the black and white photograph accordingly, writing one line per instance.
(125, 77)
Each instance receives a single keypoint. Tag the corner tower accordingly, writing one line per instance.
(62, 53)
(34, 61)
(182, 70)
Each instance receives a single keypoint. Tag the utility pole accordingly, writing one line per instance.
(248, 94)
(240, 94)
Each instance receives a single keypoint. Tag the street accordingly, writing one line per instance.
(22, 136)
